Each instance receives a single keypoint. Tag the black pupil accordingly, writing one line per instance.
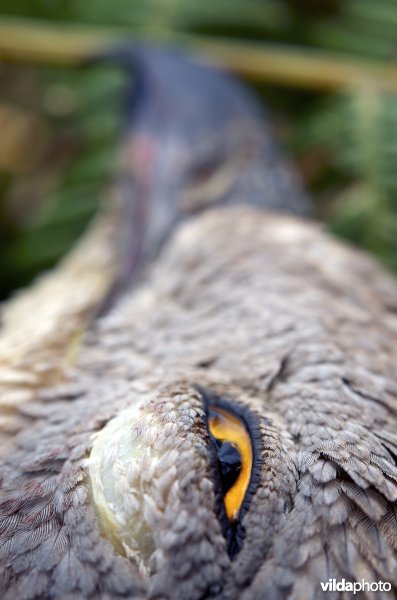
(229, 462)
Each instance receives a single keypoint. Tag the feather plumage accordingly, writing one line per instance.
(287, 323)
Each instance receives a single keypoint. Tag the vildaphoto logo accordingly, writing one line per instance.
(335, 585)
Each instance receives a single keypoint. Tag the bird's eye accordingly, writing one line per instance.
(236, 447)
(234, 456)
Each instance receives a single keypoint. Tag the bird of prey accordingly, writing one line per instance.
(200, 401)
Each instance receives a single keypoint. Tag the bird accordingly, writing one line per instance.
(200, 402)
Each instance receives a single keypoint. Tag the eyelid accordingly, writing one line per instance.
(224, 426)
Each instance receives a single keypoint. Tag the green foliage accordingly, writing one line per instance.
(360, 27)
(84, 110)
(345, 143)
(357, 129)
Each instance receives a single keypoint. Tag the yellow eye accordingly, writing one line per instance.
(234, 449)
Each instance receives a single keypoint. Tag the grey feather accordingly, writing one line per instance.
(272, 314)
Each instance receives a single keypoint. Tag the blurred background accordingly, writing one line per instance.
(326, 68)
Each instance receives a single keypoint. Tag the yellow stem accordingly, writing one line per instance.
(29, 40)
